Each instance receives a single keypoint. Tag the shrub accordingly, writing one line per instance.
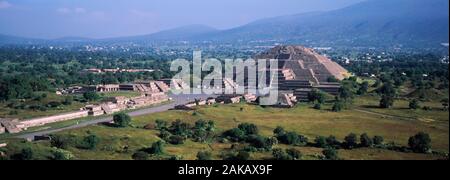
(163, 134)
(386, 101)
(316, 95)
(365, 140)
(91, 96)
(420, 143)
(26, 154)
(351, 141)
(279, 154)
(260, 142)
(157, 148)
(180, 128)
(332, 79)
(293, 138)
(204, 155)
(122, 120)
(318, 106)
(200, 135)
(61, 142)
(176, 140)
(140, 155)
(414, 104)
(363, 88)
(235, 134)
(90, 142)
(337, 106)
(53, 104)
(330, 154)
(279, 131)
(161, 124)
(243, 156)
(61, 154)
(321, 142)
(427, 108)
(378, 140)
(333, 142)
(294, 153)
(249, 129)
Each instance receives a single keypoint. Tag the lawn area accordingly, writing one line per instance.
(25, 113)
(401, 109)
(121, 143)
(128, 94)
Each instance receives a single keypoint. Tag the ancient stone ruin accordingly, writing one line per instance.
(301, 69)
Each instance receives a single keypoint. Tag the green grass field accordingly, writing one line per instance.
(395, 125)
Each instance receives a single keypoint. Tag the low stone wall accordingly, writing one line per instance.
(56, 118)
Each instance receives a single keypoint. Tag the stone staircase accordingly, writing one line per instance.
(162, 86)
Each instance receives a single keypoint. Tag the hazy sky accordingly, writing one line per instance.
(112, 18)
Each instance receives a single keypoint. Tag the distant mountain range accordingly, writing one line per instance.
(414, 23)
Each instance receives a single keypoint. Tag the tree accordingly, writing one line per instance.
(378, 140)
(61, 154)
(337, 106)
(345, 94)
(242, 156)
(321, 142)
(249, 129)
(59, 141)
(388, 94)
(140, 155)
(235, 134)
(351, 141)
(157, 148)
(414, 104)
(279, 131)
(68, 100)
(161, 124)
(289, 154)
(318, 106)
(333, 142)
(294, 153)
(363, 88)
(180, 128)
(26, 154)
(176, 140)
(316, 95)
(91, 96)
(330, 154)
(365, 140)
(332, 79)
(122, 120)
(386, 101)
(279, 154)
(91, 141)
(445, 103)
(204, 156)
(292, 138)
(260, 142)
(420, 143)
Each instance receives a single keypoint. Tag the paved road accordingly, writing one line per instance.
(177, 100)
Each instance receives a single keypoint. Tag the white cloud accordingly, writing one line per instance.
(71, 10)
(64, 10)
(143, 14)
(5, 4)
(79, 10)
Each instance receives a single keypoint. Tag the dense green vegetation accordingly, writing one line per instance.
(24, 70)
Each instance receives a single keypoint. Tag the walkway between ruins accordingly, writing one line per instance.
(177, 100)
